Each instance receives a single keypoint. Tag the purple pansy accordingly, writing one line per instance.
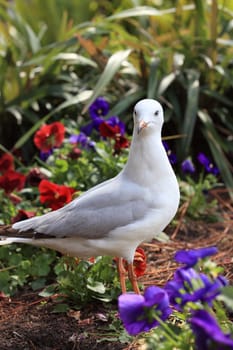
(191, 257)
(208, 334)
(190, 286)
(45, 155)
(94, 124)
(187, 166)
(82, 139)
(208, 165)
(171, 156)
(99, 108)
(137, 312)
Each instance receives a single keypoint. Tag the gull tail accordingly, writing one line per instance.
(9, 240)
(8, 235)
(6, 240)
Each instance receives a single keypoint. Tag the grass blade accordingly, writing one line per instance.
(110, 70)
(190, 112)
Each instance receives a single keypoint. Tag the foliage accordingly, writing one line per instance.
(179, 54)
(77, 281)
(55, 60)
(85, 280)
(67, 163)
(24, 265)
(195, 193)
(59, 164)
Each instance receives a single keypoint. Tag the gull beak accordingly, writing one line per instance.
(142, 125)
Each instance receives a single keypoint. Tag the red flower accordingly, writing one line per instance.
(11, 181)
(6, 162)
(139, 262)
(49, 136)
(35, 176)
(53, 195)
(114, 132)
(107, 130)
(120, 142)
(22, 215)
(15, 198)
(75, 153)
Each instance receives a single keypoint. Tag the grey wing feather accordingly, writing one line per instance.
(92, 215)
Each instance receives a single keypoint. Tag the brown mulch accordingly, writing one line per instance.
(28, 322)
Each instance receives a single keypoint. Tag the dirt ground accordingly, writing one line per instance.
(28, 322)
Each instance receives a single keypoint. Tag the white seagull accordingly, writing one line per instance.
(116, 216)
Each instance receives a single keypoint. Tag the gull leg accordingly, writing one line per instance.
(133, 278)
(121, 273)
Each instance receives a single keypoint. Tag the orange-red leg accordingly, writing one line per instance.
(122, 274)
(133, 278)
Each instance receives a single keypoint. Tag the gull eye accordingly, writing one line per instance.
(135, 113)
(156, 113)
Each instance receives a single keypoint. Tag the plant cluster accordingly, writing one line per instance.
(188, 312)
(56, 61)
(57, 174)
(178, 53)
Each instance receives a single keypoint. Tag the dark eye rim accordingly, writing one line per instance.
(156, 113)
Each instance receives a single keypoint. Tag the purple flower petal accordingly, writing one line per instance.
(99, 108)
(190, 286)
(130, 305)
(45, 155)
(191, 257)
(82, 139)
(73, 139)
(136, 311)
(188, 167)
(208, 165)
(171, 156)
(208, 333)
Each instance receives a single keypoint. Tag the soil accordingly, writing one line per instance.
(28, 321)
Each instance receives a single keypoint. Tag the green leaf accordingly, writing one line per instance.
(217, 148)
(166, 82)
(140, 11)
(153, 79)
(127, 102)
(33, 39)
(95, 286)
(48, 291)
(74, 58)
(110, 70)
(162, 237)
(227, 296)
(38, 283)
(61, 308)
(190, 111)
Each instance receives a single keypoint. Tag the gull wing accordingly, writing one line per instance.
(114, 203)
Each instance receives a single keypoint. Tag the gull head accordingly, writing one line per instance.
(148, 115)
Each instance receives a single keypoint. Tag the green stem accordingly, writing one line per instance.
(167, 331)
(8, 268)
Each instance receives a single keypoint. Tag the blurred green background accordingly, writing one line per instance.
(57, 56)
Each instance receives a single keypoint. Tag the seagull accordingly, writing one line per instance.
(116, 216)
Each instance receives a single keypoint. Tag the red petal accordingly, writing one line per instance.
(49, 136)
(6, 162)
(12, 180)
(107, 130)
(54, 195)
(58, 130)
